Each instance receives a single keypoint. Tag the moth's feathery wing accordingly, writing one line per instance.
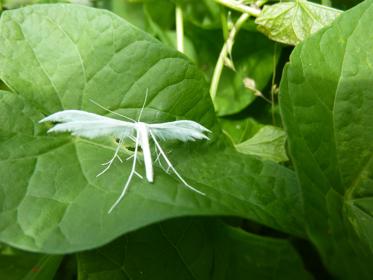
(182, 130)
(90, 125)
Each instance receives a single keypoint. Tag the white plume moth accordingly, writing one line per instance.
(90, 125)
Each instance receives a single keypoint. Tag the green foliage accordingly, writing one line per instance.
(122, 55)
(16, 265)
(326, 102)
(240, 130)
(253, 57)
(192, 249)
(202, 13)
(265, 216)
(292, 22)
(267, 143)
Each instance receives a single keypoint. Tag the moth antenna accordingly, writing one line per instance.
(133, 171)
(143, 105)
(171, 166)
(110, 111)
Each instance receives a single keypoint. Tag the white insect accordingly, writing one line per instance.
(90, 125)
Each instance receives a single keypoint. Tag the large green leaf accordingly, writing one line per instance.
(13, 4)
(59, 57)
(292, 22)
(326, 101)
(192, 249)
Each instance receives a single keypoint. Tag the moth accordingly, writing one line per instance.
(90, 125)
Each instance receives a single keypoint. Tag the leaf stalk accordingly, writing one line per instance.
(223, 54)
(179, 29)
(242, 8)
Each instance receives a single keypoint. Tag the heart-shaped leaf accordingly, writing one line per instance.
(292, 22)
(57, 57)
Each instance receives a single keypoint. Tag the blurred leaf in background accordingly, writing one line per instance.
(253, 57)
(292, 22)
(15, 265)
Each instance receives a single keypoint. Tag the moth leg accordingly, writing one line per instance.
(133, 171)
(131, 156)
(110, 162)
(158, 159)
(139, 175)
(120, 159)
(171, 166)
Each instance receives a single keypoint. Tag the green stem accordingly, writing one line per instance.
(234, 5)
(274, 61)
(224, 24)
(223, 54)
(179, 29)
(260, 3)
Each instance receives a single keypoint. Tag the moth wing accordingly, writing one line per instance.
(89, 125)
(183, 130)
(73, 115)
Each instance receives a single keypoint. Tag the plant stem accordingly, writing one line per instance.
(261, 3)
(223, 54)
(179, 29)
(235, 5)
(274, 61)
(224, 24)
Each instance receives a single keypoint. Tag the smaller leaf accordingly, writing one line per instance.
(268, 143)
(292, 22)
(240, 130)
